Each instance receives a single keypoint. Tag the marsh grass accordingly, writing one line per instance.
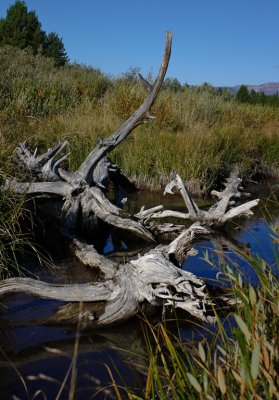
(12, 240)
(239, 363)
(198, 132)
(16, 240)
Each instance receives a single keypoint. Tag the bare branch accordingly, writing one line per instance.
(147, 213)
(89, 256)
(107, 145)
(243, 209)
(56, 188)
(45, 165)
(219, 213)
(181, 245)
(190, 204)
(145, 82)
(75, 292)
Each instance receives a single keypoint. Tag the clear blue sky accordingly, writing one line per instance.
(222, 42)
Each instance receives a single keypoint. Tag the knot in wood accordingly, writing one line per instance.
(79, 187)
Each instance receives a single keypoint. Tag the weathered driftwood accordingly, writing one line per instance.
(152, 278)
(217, 215)
(80, 188)
(44, 166)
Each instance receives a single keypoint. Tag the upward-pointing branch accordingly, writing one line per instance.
(139, 117)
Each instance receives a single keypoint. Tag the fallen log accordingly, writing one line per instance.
(152, 278)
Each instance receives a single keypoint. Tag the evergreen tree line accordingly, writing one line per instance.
(252, 97)
(21, 28)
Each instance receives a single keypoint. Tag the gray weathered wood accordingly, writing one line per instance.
(45, 165)
(74, 292)
(95, 201)
(218, 214)
(81, 189)
(151, 278)
(140, 116)
(88, 255)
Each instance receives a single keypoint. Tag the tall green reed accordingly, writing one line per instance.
(242, 363)
(16, 234)
(12, 239)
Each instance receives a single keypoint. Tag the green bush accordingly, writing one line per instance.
(32, 85)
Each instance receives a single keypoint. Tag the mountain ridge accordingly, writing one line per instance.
(268, 88)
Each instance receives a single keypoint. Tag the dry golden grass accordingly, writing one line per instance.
(198, 132)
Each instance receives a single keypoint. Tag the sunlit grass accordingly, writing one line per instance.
(239, 364)
(197, 133)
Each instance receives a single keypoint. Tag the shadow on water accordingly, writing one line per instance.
(37, 356)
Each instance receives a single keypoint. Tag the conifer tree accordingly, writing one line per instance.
(22, 28)
(54, 48)
(243, 95)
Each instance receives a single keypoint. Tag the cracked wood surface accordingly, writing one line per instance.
(151, 278)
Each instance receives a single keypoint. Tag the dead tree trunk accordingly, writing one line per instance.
(81, 188)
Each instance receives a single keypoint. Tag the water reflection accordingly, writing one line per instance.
(44, 364)
(252, 240)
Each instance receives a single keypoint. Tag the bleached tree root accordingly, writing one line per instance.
(152, 278)
(217, 215)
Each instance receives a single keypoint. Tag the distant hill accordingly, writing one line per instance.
(268, 88)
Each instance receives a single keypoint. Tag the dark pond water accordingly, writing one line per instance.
(36, 356)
